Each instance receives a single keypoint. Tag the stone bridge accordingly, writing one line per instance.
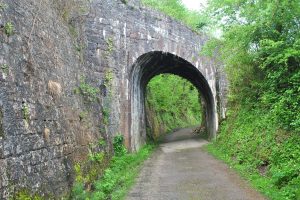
(68, 78)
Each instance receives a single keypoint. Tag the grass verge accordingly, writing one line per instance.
(261, 183)
(117, 178)
(267, 156)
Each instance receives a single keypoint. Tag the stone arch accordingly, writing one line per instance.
(151, 64)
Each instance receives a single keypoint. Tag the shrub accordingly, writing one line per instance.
(118, 145)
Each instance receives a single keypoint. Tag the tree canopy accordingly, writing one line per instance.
(260, 48)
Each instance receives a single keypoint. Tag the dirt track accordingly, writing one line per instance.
(180, 169)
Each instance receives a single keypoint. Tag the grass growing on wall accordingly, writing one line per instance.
(174, 102)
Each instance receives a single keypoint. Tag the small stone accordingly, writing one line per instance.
(54, 88)
(47, 134)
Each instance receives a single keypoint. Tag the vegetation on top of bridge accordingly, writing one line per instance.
(174, 103)
(177, 10)
(260, 48)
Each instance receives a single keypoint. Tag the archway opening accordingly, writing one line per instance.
(171, 103)
(143, 70)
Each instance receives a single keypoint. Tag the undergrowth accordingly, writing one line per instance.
(117, 178)
(268, 156)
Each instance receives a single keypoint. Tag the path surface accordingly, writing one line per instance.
(181, 170)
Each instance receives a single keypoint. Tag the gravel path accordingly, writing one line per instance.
(180, 169)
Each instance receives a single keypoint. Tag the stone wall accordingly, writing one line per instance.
(41, 132)
(58, 48)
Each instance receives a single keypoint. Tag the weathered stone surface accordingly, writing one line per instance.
(1, 123)
(114, 47)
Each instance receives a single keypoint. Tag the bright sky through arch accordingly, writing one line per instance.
(194, 4)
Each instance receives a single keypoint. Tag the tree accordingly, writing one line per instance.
(261, 50)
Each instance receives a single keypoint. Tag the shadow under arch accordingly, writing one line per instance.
(154, 63)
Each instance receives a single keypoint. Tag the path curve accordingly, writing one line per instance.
(181, 170)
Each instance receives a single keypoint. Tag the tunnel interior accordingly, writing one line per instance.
(154, 63)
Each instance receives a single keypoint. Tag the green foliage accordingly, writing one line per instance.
(174, 100)
(25, 195)
(117, 178)
(108, 83)
(73, 31)
(177, 10)
(86, 172)
(3, 6)
(102, 142)
(9, 28)
(124, 1)
(252, 143)
(118, 145)
(83, 115)
(94, 154)
(25, 112)
(108, 79)
(78, 173)
(110, 46)
(79, 47)
(5, 69)
(281, 62)
(261, 49)
(105, 115)
(89, 92)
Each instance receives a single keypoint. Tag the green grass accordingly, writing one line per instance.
(117, 178)
(261, 183)
(269, 157)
